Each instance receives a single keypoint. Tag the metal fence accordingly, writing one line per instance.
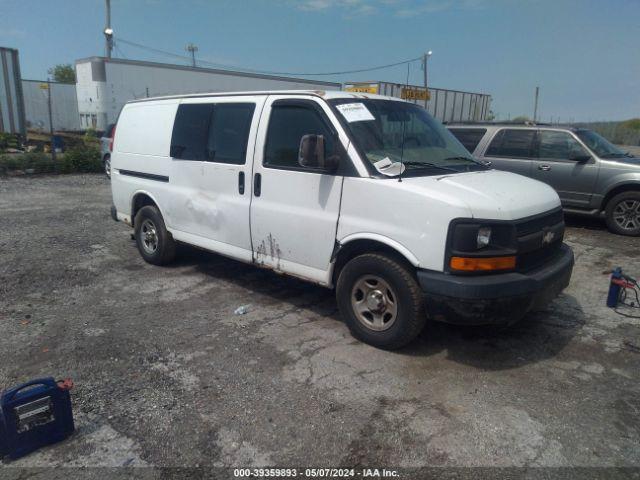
(445, 105)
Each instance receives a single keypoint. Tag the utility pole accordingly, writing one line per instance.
(191, 48)
(535, 107)
(425, 58)
(108, 31)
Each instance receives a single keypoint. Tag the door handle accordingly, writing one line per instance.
(241, 183)
(257, 184)
(546, 168)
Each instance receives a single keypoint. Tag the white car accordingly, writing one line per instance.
(364, 193)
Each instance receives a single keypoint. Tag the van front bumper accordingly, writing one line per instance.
(495, 299)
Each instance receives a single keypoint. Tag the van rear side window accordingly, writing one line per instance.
(212, 132)
(190, 130)
(229, 132)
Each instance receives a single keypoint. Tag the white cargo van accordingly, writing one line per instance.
(363, 193)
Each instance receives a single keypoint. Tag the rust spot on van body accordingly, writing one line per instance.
(269, 248)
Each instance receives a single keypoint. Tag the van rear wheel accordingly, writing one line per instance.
(381, 301)
(623, 214)
(155, 243)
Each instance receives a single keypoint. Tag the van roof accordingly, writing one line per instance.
(327, 94)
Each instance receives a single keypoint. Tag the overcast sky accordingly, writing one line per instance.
(584, 54)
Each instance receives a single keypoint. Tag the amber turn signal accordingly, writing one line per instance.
(482, 264)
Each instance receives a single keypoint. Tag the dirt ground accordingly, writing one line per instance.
(168, 376)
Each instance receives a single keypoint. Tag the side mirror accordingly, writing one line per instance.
(312, 154)
(579, 157)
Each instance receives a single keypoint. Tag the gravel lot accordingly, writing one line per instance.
(168, 376)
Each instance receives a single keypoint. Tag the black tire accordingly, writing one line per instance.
(106, 165)
(165, 246)
(410, 315)
(615, 208)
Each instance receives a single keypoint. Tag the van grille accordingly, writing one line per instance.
(539, 222)
(539, 240)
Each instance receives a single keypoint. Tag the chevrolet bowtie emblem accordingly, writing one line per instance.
(548, 237)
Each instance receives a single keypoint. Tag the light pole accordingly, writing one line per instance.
(425, 59)
(108, 31)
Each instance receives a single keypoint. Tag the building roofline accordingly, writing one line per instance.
(45, 81)
(144, 63)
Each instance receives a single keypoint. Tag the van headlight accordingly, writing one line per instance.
(474, 247)
(484, 237)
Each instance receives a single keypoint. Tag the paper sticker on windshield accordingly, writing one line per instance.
(389, 168)
(355, 112)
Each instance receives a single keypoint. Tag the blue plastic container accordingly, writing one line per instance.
(614, 288)
(33, 415)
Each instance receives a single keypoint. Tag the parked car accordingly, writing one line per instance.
(106, 142)
(591, 175)
(364, 193)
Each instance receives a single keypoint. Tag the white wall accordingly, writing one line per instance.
(128, 81)
(91, 98)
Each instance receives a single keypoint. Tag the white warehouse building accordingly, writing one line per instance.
(104, 85)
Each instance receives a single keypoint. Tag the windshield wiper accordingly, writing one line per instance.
(472, 160)
(427, 164)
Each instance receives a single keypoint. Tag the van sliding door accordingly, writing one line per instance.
(212, 199)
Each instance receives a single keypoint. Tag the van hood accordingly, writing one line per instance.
(492, 194)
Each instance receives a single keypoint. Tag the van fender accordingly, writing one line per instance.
(153, 198)
(401, 249)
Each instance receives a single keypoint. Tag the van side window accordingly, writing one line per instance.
(287, 125)
(469, 137)
(512, 143)
(229, 132)
(189, 138)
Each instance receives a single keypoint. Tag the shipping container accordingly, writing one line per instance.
(11, 99)
(445, 105)
(64, 105)
(104, 85)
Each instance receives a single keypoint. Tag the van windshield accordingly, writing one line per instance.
(599, 145)
(395, 135)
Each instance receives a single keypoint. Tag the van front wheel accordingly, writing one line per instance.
(155, 243)
(381, 301)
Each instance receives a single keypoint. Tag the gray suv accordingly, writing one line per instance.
(591, 175)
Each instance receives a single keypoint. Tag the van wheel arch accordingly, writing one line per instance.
(347, 251)
(141, 200)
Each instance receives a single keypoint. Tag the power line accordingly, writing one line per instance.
(267, 72)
